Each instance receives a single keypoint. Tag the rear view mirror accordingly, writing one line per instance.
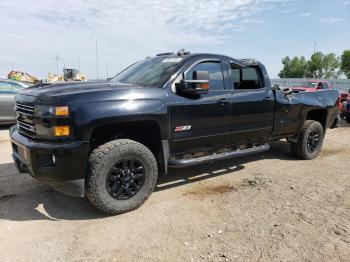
(199, 84)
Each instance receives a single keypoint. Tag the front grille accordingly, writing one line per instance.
(25, 119)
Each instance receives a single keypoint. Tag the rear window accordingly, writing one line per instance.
(246, 78)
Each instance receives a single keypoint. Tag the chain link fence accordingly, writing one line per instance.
(340, 84)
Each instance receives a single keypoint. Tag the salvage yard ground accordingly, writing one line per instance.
(267, 207)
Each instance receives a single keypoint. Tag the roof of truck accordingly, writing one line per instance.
(186, 54)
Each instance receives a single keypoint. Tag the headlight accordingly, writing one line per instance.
(53, 122)
(59, 111)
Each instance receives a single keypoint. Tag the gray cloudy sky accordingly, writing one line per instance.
(32, 32)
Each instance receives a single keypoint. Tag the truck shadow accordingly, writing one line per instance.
(5, 126)
(177, 177)
(22, 198)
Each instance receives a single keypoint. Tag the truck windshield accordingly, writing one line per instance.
(311, 84)
(152, 72)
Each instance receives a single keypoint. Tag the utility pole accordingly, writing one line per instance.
(57, 59)
(79, 65)
(97, 73)
(315, 47)
(12, 66)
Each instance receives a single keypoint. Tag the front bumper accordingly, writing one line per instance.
(53, 163)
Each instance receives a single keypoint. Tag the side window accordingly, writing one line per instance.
(216, 76)
(246, 78)
(16, 87)
(5, 87)
(325, 86)
(319, 86)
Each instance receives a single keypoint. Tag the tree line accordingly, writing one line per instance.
(318, 66)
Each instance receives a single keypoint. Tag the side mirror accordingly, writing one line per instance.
(199, 84)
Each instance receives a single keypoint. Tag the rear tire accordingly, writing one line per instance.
(121, 176)
(347, 118)
(309, 142)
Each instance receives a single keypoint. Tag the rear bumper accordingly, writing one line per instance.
(50, 162)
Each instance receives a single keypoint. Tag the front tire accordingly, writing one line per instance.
(121, 176)
(310, 141)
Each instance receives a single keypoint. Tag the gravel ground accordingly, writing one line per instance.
(267, 207)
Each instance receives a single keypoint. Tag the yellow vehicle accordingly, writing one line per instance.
(69, 74)
(23, 77)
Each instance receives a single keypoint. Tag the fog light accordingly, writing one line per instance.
(62, 131)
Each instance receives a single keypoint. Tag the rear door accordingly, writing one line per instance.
(204, 121)
(253, 104)
(7, 101)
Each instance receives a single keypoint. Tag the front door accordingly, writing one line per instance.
(205, 121)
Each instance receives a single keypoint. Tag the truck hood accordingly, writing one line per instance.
(86, 92)
(304, 88)
(64, 89)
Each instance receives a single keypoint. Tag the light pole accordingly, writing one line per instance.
(97, 73)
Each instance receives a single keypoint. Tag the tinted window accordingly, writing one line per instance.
(325, 86)
(236, 75)
(216, 76)
(5, 87)
(153, 72)
(246, 78)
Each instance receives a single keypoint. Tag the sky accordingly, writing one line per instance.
(32, 33)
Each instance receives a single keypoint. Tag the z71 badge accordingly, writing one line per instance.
(182, 128)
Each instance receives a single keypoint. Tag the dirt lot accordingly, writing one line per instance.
(267, 207)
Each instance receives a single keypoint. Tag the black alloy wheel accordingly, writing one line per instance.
(313, 141)
(125, 178)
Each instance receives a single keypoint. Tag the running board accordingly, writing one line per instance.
(220, 156)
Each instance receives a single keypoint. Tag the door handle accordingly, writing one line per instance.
(223, 101)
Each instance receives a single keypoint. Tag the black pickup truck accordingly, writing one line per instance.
(109, 140)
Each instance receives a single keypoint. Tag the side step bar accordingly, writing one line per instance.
(215, 157)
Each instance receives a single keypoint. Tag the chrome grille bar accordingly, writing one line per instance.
(25, 113)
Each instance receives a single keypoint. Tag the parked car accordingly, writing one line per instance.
(346, 111)
(312, 86)
(109, 140)
(343, 102)
(8, 90)
(344, 96)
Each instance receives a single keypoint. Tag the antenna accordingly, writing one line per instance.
(97, 73)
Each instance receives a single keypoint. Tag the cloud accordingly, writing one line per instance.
(33, 31)
(287, 11)
(330, 20)
(305, 14)
(252, 21)
(344, 2)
